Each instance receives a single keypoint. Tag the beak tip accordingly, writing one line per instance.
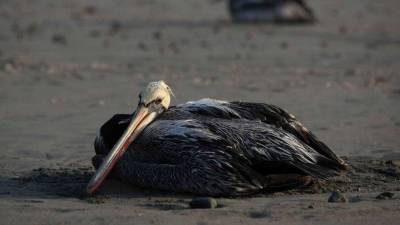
(91, 188)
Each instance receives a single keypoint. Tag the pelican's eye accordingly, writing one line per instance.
(158, 101)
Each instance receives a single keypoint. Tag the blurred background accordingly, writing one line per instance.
(67, 66)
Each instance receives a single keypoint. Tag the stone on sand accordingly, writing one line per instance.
(203, 203)
(385, 195)
(336, 196)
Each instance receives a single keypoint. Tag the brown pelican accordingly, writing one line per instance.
(209, 147)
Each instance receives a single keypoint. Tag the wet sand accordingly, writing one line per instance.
(66, 67)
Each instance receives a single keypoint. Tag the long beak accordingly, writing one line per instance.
(141, 119)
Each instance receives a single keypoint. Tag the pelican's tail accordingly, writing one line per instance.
(323, 168)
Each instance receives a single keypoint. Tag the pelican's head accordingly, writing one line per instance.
(153, 101)
(157, 95)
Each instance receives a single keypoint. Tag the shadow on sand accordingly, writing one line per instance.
(367, 175)
(71, 183)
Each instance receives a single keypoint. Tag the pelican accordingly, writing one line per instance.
(209, 147)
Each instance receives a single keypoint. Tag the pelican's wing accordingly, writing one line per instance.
(274, 115)
(266, 113)
(268, 149)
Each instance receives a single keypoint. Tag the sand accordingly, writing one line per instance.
(67, 66)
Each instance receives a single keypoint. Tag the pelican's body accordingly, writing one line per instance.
(218, 148)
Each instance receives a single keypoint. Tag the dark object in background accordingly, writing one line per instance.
(285, 11)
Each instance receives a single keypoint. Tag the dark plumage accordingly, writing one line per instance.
(289, 11)
(211, 147)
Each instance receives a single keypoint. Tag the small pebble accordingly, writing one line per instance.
(115, 27)
(284, 45)
(90, 10)
(203, 203)
(32, 28)
(59, 39)
(259, 214)
(157, 35)
(336, 196)
(385, 195)
(142, 46)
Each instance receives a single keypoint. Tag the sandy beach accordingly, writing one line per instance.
(68, 66)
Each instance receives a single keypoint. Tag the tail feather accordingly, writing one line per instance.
(296, 128)
(323, 168)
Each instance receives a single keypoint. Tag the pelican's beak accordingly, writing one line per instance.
(142, 118)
